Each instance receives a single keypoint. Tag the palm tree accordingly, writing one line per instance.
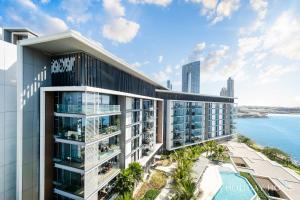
(125, 182)
(210, 146)
(125, 196)
(219, 153)
(136, 170)
(185, 190)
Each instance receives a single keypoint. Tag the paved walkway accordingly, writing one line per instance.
(260, 165)
(211, 183)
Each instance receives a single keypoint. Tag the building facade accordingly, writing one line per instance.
(193, 119)
(230, 87)
(191, 77)
(223, 92)
(83, 114)
(8, 119)
(169, 85)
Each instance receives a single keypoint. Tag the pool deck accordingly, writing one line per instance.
(210, 183)
(259, 165)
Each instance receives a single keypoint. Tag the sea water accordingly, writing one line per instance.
(280, 131)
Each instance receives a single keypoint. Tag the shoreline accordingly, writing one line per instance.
(294, 165)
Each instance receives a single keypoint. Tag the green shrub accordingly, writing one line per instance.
(158, 180)
(151, 194)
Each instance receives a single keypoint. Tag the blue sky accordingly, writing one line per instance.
(257, 42)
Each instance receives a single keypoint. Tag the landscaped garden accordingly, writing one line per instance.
(183, 185)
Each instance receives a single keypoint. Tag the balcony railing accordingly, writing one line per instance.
(72, 189)
(107, 173)
(106, 152)
(71, 162)
(87, 109)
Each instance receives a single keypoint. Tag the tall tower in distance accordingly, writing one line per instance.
(230, 87)
(223, 92)
(191, 77)
(169, 85)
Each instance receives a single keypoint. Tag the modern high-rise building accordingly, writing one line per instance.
(169, 85)
(8, 108)
(191, 77)
(83, 114)
(230, 87)
(223, 92)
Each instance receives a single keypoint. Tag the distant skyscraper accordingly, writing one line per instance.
(191, 77)
(223, 92)
(169, 85)
(230, 87)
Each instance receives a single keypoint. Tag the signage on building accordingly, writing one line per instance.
(62, 65)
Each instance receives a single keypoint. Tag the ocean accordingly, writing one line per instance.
(280, 131)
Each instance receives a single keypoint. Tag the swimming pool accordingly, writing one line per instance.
(234, 187)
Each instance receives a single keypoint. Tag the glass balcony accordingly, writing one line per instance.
(147, 149)
(178, 128)
(178, 143)
(178, 136)
(178, 120)
(68, 181)
(180, 111)
(149, 118)
(108, 147)
(86, 129)
(148, 105)
(87, 109)
(69, 154)
(107, 170)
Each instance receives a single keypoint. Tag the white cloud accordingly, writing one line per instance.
(114, 8)
(225, 8)
(248, 44)
(197, 52)
(283, 37)
(163, 3)
(272, 73)
(139, 64)
(211, 57)
(27, 4)
(120, 30)
(164, 75)
(215, 10)
(160, 59)
(261, 8)
(76, 10)
(33, 17)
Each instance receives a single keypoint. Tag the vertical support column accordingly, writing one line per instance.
(160, 122)
(122, 103)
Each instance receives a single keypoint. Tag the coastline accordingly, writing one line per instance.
(278, 130)
(273, 153)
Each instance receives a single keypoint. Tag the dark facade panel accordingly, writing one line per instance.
(89, 71)
(192, 97)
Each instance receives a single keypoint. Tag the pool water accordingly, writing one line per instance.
(234, 187)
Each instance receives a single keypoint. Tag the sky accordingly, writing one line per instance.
(257, 42)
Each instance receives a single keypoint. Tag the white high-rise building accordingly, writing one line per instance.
(8, 108)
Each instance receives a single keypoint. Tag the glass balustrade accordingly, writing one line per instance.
(108, 169)
(87, 109)
(69, 154)
(68, 181)
(108, 147)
